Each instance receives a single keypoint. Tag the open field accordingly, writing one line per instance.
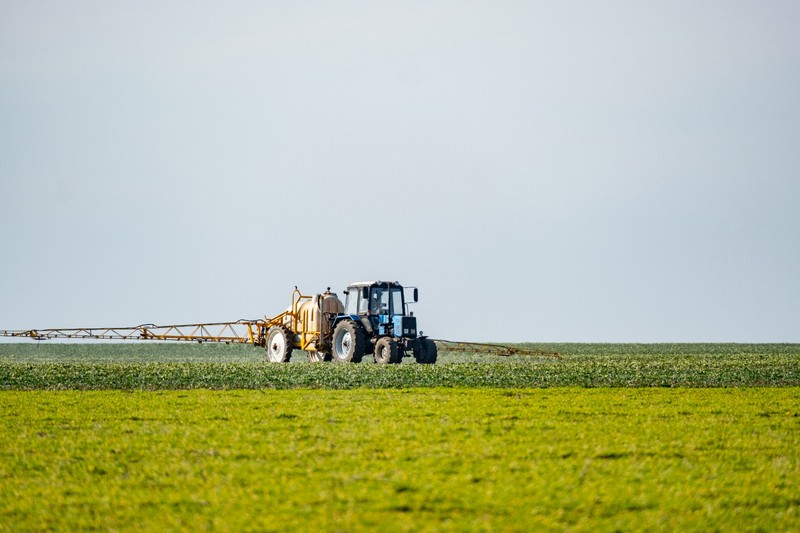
(196, 437)
(403, 460)
(168, 352)
(186, 366)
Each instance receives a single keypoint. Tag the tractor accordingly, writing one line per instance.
(374, 319)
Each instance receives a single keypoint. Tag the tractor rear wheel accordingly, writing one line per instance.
(279, 345)
(386, 352)
(427, 352)
(349, 342)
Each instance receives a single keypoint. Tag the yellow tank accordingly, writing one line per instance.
(308, 316)
(311, 322)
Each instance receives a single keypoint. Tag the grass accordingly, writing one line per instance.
(401, 460)
(210, 437)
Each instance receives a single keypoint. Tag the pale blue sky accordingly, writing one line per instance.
(542, 171)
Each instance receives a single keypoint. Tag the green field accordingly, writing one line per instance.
(170, 366)
(457, 459)
(145, 352)
(609, 437)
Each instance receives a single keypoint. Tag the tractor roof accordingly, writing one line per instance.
(371, 283)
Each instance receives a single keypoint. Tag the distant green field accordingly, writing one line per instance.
(186, 366)
(168, 352)
(401, 460)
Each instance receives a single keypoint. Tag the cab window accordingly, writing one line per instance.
(378, 299)
(397, 302)
(350, 307)
(363, 304)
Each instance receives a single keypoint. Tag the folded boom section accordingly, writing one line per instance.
(241, 331)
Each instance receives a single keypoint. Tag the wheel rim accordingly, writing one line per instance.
(343, 344)
(277, 348)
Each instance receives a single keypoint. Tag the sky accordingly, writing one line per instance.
(576, 171)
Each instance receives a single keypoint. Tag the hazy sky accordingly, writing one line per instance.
(542, 171)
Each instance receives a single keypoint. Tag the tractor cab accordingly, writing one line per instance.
(381, 308)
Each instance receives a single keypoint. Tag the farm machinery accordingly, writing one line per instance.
(374, 319)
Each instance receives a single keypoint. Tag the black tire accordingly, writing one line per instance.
(279, 345)
(318, 357)
(386, 352)
(349, 342)
(427, 352)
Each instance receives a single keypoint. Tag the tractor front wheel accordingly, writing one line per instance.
(386, 352)
(427, 353)
(279, 345)
(349, 342)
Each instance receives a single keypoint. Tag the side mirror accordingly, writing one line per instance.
(416, 294)
(365, 292)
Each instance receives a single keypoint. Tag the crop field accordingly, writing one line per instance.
(609, 437)
(213, 366)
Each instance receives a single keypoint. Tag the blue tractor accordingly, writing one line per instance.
(376, 320)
